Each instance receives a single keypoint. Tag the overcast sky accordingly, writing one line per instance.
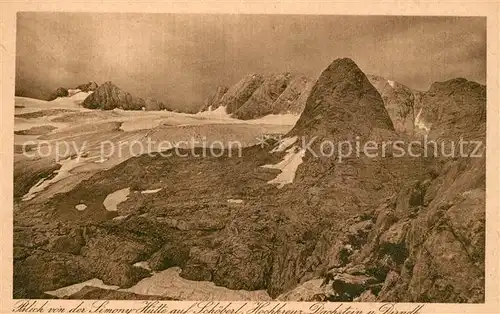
(181, 58)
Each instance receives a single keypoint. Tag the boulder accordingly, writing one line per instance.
(215, 100)
(109, 96)
(60, 92)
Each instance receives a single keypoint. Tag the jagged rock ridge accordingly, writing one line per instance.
(454, 108)
(214, 101)
(239, 93)
(65, 92)
(60, 92)
(258, 95)
(448, 107)
(402, 103)
(108, 96)
(294, 97)
(89, 87)
(260, 102)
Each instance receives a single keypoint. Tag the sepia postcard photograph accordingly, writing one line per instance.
(245, 160)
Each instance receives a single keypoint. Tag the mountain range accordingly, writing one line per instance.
(279, 219)
(258, 95)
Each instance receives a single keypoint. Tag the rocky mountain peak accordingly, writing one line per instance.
(214, 100)
(60, 92)
(401, 102)
(454, 108)
(239, 93)
(342, 104)
(89, 87)
(261, 100)
(109, 96)
(452, 84)
(257, 95)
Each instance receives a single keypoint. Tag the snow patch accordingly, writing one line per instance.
(219, 113)
(72, 92)
(169, 283)
(39, 186)
(112, 201)
(420, 124)
(69, 290)
(288, 166)
(278, 119)
(314, 286)
(284, 144)
(120, 218)
(81, 207)
(143, 265)
(140, 124)
(150, 191)
(67, 165)
(72, 100)
(101, 160)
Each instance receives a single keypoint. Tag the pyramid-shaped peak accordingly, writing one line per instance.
(343, 69)
(343, 63)
(342, 104)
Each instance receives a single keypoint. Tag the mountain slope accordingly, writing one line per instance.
(260, 103)
(401, 102)
(294, 97)
(342, 104)
(108, 96)
(239, 93)
(214, 101)
(454, 108)
(258, 95)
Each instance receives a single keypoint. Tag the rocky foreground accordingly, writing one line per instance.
(409, 229)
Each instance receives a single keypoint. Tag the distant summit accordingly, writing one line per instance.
(260, 102)
(60, 92)
(294, 97)
(454, 108)
(258, 95)
(238, 94)
(448, 109)
(214, 101)
(68, 92)
(89, 87)
(108, 96)
(401, 102)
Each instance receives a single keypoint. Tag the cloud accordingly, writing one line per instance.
(181, 58)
